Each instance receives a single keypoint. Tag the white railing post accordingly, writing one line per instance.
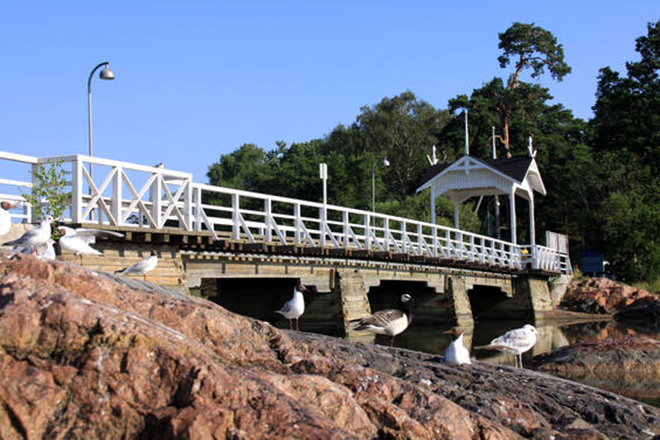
(76, 190)
(156, 191)
(346, 228)
(367, 231)
(117, 197)
(420, 249)
(268, 233)
(187, 204)
(297, 224)
(197, 202)
(322, 223)
(386, 232)
(461, 247)
(235, 215)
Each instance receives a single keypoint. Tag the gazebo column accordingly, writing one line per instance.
(457, 223)
(433, 197)
(512, 214)
(532, 226)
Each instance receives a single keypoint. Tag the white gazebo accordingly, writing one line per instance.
(471, 177)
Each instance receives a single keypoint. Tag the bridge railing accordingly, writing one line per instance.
(116, 193)
(259, 217)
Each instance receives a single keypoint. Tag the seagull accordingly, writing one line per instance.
(34, 238)
(141, 267)
(390, 321)
(5, 218)
(516, 342)
(295, 307)
(456, 353)
(433, 160)
(49, 253)
(77, 241)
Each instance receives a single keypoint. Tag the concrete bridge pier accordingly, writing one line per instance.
(457, 288)
(354, 303)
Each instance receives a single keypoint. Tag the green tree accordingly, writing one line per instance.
(48, 195)
(403, 129)
(527, 47)
(245, 168)
(626, 136)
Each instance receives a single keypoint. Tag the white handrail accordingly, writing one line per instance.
(130, 195)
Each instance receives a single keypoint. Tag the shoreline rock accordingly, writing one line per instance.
(84, 355)
(604, 296)
(629, 366)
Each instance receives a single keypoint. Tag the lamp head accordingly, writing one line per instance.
(106, 73)
(386, 163)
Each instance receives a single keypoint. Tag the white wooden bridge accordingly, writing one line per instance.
(132, 196)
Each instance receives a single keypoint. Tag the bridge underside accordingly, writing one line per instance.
(256, 279)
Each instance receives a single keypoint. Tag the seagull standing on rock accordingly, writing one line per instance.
(516, 342)
(141, 267)
(5, 218)
(49, 253)
(295, 307)
(456, 353)
(34, 238)
(390, 321)
(77, 241)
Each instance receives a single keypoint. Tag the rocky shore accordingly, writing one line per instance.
(605, 296)
(94, 356)
(630, 366)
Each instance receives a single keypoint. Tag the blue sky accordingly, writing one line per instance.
(198, 79)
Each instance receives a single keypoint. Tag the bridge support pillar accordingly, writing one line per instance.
(455, 285)
(354, 303)
(538, 292)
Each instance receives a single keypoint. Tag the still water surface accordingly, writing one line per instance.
(430, 339)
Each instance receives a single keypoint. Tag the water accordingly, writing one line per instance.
(431, 319)
(430, 339)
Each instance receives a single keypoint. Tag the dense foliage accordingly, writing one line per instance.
(599, 175)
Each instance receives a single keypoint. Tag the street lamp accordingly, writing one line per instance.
(384, 162)
(106, 74)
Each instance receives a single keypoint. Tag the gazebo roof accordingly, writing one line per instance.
(470, 176)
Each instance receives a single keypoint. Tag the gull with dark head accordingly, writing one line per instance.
(142, 267)
(456, 353)
(77, 241)
(390, 321)
(516, 342)
(295, 307)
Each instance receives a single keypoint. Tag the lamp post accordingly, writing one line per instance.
(105, 74)
(385, 163)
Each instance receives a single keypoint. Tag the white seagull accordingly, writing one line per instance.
(49, 252)
(390, 321)
(516, 342)
(77, 241)
(295, 307)
(34, 238)
(141, 267)
(456, 353)
(5, 218)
